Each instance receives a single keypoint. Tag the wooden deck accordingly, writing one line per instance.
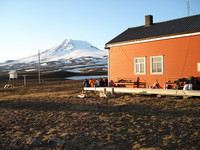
(148, 91)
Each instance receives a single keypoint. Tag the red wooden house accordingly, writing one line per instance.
(156, 52)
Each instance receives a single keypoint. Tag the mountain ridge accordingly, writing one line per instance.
(68, 55)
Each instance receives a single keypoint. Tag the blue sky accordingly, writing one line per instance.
(29, 25)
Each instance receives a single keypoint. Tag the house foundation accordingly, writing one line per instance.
(146, 91)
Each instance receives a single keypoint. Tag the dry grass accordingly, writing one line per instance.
(50, 116)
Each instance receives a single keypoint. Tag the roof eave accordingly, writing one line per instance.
(152, 38)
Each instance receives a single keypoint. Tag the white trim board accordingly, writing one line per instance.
(156, 39)
(146, 91)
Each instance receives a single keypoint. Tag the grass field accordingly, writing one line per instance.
(51, 116)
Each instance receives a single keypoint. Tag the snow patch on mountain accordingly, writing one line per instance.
(68, 49)
(67, 55)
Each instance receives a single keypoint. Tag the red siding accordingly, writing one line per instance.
(181, 56)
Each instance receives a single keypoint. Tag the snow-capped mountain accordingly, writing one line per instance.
(70, 55)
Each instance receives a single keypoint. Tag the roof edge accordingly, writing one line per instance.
(157, 38)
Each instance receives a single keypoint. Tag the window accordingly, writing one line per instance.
(156, 64)
(140, 65)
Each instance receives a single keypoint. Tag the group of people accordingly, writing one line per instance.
(95, 82)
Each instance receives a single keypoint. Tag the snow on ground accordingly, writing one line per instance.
(30, 70)
(86, 77)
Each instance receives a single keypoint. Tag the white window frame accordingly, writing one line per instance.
(162, 61)
(139, 73)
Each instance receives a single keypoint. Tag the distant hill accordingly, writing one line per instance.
(70, 55)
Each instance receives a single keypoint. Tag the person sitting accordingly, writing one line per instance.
(106, 82)
(96, 83)
(101, 83)
(91, 82)
(86, 83)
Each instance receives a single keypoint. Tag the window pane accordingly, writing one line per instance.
(141, 68)
(154, 67)
(159, 69)
(156, 59)
(137, 68)
(139, 60)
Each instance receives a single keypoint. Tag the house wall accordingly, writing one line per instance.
(181, 56)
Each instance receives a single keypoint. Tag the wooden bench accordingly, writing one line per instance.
(129, 82)
(171, 82)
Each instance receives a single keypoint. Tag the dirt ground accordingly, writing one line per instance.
(51, 116)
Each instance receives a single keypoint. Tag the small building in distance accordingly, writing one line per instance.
(13, 74)
(156, 52)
